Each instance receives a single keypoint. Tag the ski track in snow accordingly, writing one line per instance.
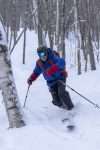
(51, 120)
(86, 120)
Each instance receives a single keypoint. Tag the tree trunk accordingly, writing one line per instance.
(57, 22)
(79, 62)
(10, 41)
(40, 32)
(8, 87)
(24, 46)
(90, 46)
(77, 33)
(9, 93)
(50, 24)
(61, 45)
(91, 53)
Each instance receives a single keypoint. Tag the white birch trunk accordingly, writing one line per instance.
(7, 85)
(77, 30)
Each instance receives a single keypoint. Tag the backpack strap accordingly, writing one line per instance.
(56, 53)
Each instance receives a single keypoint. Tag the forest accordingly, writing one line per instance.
(55, 20)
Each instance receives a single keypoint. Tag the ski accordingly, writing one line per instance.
(69, 121)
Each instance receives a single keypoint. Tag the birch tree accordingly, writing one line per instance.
(77, 34)
(7, 85)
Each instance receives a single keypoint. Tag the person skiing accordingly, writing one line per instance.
(53, 69)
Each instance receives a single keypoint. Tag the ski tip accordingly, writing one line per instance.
(70, 127)
(65, 120)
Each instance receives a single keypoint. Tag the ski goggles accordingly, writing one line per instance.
(42, 54)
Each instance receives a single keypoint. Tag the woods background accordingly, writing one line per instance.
(56, 19)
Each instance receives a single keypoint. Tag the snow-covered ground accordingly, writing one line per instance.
(44, 129)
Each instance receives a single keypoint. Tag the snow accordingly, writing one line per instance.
(44, 129)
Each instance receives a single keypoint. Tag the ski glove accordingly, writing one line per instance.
(31, 78)
(53, 69)
(64, 73)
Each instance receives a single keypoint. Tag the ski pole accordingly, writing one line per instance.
(96, 105)
(26, 96)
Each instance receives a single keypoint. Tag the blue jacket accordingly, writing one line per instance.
(42, 67)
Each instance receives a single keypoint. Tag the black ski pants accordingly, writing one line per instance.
(60, 96)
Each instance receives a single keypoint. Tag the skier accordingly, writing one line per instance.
(53, 69)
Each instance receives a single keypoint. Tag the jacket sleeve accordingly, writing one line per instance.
(37, 70)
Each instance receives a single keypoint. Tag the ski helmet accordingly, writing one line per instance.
(42, 48)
